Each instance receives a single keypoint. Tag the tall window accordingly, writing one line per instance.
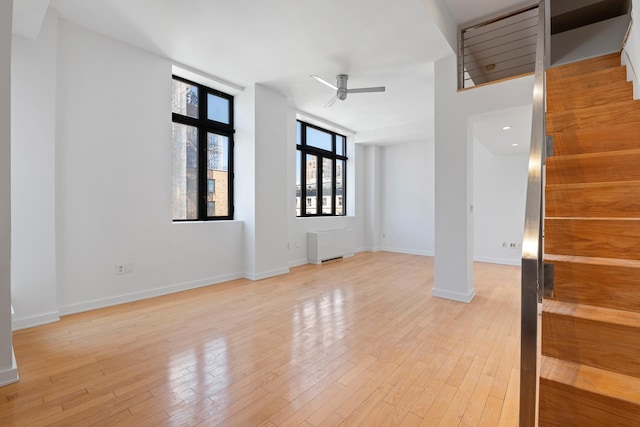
(321, 166)
(202, 152)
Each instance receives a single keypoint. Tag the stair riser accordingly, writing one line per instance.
(568, 98)
(586, 82)
(592, 238)
(598, 200)
(594, 343)
(584, 67)
(597, 285)
(614, 138)
(562, 406)
(606, 167)
(593, 117)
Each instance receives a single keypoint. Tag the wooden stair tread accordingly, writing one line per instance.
(593, 199)
(602, 282)
(575, 97)
(626, 111)
(613, 262)
(600, 337)
(590, 79)
(592, 313)
(609, 166)
(595, 155)
(593, 237)
(611, 138)
(584, 67)
(588, 378)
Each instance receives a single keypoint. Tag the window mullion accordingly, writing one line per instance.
(320, 186)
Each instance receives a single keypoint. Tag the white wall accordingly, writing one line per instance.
(454, 171)
(408, 198)
(589, 41)
(113, 172)
(297, 228)
(631, 52)
(105, 159)
(261, 186)
(500, 183)
(33, 104)
(8, 371)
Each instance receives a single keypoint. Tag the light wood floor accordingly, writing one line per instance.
(353, 342)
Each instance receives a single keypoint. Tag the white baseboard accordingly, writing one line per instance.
(503, 261)
(455, 296)
(136, 296)
(18, 323)
(10, 376)
(407, 251)
(266, 274)
(298, 262)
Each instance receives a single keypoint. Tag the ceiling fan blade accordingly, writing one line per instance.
(367, 89)
(331, 101)
(324, 82)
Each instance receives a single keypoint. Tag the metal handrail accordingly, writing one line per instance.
(532, 248)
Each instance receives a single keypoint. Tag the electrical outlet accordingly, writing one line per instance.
(120, 269)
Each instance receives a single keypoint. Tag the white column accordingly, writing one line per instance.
(34, 66)
(373, 203)
(453, 189)
(8, 371)
(261, 180)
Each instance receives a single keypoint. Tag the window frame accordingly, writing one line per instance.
(304, 150)
(204, 125)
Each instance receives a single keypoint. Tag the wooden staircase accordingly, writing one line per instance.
(590, 368)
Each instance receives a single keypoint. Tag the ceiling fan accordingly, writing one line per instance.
(341, 88)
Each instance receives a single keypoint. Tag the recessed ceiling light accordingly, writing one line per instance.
(514, 145)
(506, 128)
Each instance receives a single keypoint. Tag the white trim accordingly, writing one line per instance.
(315, 120)
(266, 274)
(10, 376)
(503, 261)
(122, 299)
(631, 73)
(205, 79)
(298, 262)
(371, 249)
(408, 251)
(455, 296)
(31, 321)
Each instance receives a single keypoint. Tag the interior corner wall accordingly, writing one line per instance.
(270, 183)
(297, 228)
(454, 171)
(499, 192)
(373, 198)
(113, 182)
(631, 52)
(33, 103)
(262, 120)
(408, 194)
(245, 173)
(8, 370)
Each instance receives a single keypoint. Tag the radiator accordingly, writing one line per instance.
(326, 245)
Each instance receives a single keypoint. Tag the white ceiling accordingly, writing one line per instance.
(280, 43)
(488, 130)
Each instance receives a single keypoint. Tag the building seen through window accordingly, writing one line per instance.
(202, 152)
(320, 171)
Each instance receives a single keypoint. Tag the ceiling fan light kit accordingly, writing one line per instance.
(342, 90)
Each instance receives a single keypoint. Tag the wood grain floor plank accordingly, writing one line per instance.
(358, 341)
